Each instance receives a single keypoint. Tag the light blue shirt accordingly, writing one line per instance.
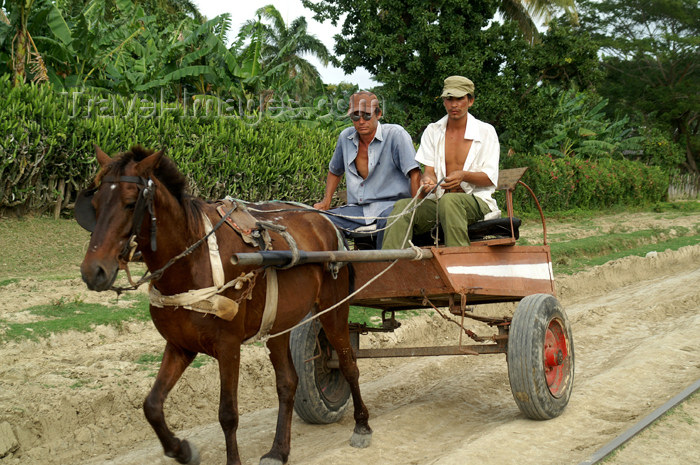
(391, 157)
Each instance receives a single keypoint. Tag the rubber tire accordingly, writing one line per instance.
(526, 360)
(323, 394)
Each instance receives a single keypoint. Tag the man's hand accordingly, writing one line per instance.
(323, 205)
(453, 181)
(427, 183)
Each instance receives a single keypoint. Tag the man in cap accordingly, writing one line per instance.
(378, 161)
(463, 153)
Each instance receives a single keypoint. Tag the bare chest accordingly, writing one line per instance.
(362, 160)
(456, 150)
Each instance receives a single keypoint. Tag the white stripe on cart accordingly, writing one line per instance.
(527, 270)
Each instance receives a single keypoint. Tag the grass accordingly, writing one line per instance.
(70, 316)
(41, 248)
(373, 317)
(151, 362)
(566, 266)
(577, 254)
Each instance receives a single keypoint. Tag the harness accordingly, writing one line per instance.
(205, 300)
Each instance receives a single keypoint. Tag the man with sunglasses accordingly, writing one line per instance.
(378, 161)
(462, 153)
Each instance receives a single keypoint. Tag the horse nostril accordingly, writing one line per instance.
(97, 276)
(100, 275)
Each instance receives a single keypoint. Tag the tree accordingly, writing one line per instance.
(410, 46)
(278, 45)
(15, 35)
(166, 11)
(121, 47)
(526, 12)
(652, 62)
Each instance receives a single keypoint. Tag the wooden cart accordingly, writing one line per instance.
(537, 340)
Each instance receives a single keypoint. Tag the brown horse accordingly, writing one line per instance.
(139, 198)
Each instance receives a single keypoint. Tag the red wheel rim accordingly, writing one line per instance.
(556, 358)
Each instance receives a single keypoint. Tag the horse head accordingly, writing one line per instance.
(114, 209)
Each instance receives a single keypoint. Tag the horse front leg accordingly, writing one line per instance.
(229, 367)
(335, 325)
(175, 361)
(286, 381)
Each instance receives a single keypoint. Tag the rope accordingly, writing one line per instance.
(333, 307)
(282, 231)
(410, 208)
(158, 273)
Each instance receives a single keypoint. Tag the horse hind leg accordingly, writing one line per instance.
(335, 325)
(174, 363)
(286, 381)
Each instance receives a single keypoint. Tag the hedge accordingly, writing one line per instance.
(563, 184)
(47, 138)
(42, 141)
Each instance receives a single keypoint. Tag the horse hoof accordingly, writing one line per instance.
(194, 454)
(270, 461)
(361, 441)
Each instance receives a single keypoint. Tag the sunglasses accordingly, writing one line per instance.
(361, 114)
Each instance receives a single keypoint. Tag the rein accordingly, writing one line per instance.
(145, 202)
(159, 272)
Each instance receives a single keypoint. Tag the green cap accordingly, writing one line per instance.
(457, 86)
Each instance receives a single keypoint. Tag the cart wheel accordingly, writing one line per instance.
(322, 393)
(540, 357)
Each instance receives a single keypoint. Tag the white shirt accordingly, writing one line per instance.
(483, 156)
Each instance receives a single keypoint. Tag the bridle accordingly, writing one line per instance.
(86, 216)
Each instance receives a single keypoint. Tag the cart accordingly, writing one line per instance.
(537, 339)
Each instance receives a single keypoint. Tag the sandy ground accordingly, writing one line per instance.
(76, 398)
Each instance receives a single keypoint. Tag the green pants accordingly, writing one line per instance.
(454, 210)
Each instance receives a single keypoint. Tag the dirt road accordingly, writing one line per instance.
(75, 398)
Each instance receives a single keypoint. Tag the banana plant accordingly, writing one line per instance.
(583, 130)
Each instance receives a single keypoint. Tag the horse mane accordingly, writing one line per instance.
(168, 174)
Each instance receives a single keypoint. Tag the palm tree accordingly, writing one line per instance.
(281, 46)
(526, 12)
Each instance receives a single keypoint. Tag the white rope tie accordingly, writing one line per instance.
(333, 307)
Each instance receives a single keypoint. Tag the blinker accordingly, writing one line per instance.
(84, 212)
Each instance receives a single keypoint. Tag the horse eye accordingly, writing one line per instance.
(130, 205)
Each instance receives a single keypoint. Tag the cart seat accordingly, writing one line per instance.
(365, 237)
(499, 227)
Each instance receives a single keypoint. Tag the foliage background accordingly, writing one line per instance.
(42, 143)
(603, 110)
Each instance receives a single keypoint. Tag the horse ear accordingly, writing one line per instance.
(150, 163)
(102, 157)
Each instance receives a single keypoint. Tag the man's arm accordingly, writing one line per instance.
(332, 182)
(414, 176)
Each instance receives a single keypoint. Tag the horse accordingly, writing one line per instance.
(139, 202)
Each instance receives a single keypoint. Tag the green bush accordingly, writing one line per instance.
(47, 136)
(660, 150)
(569, 183)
